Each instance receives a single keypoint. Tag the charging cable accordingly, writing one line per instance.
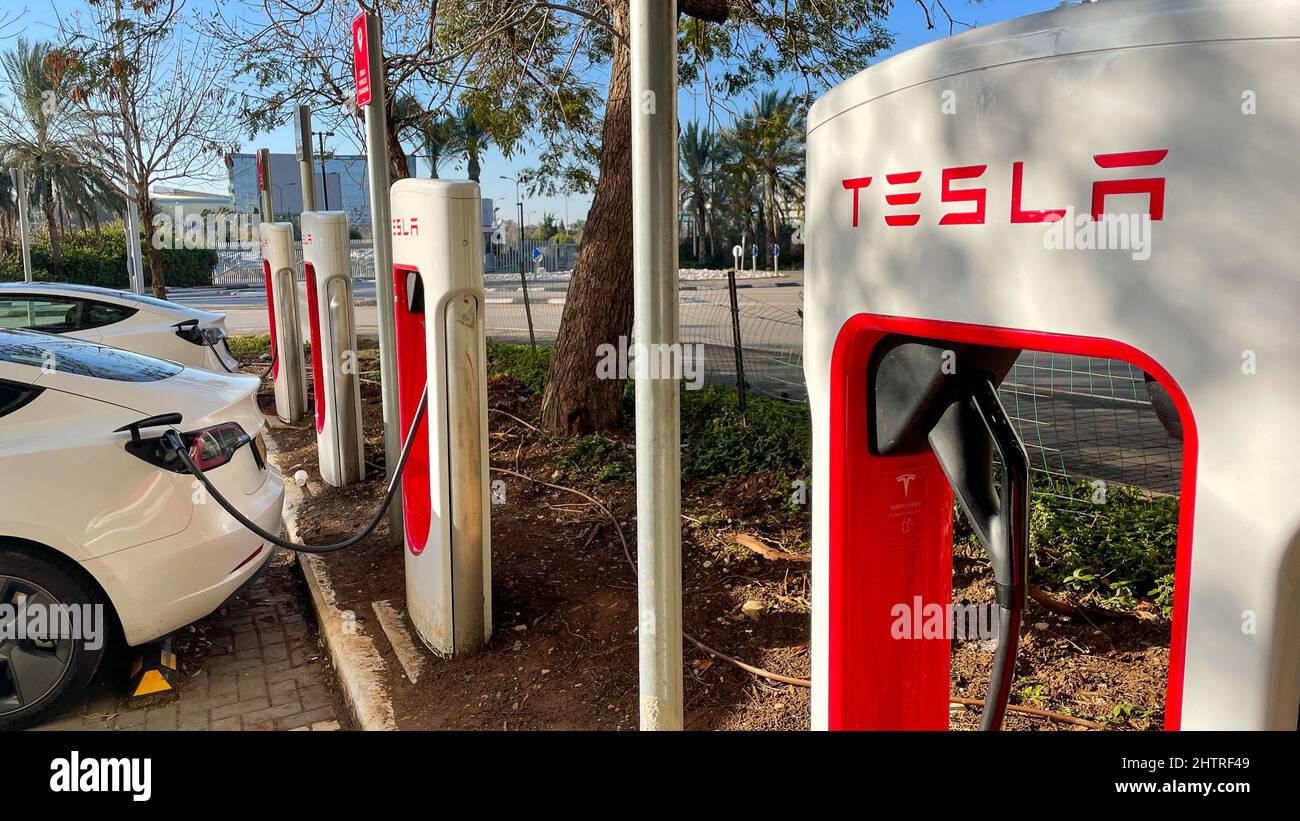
(172, 439)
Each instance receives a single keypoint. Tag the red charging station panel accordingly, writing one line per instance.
(413, 374)
(891, 543)
(318, 374)
(270, 310)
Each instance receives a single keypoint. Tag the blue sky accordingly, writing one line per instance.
(907, 23)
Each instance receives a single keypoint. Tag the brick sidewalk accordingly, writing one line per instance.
(255, 664)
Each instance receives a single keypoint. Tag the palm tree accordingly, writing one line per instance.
(772, 137)
(471, 138)
(41, 143)
(435, 132)
(699, 156)
(740, 163)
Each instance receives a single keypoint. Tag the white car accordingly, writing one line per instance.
(153, 327)
(94, 511)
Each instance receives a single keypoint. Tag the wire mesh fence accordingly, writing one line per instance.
(1080, 418)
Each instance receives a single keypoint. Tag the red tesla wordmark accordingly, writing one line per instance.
(910, 198)
(979, 196)
(975, 199)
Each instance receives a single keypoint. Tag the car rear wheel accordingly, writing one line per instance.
(42, 669)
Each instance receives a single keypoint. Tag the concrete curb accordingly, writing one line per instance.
(353, 654)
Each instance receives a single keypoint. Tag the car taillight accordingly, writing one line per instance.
(213, 447)
(209, 448)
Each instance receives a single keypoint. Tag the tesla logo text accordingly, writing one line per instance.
(968, 202)
(406, 227)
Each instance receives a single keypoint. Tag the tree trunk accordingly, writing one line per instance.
(599, 306)
(473, 166)
(154, 254)
(56, 238)
(397, 160)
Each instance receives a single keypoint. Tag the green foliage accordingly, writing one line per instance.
(597, 459)
(99, 258)
(773, 437)
(1113, 553)
(249, 347)
(520, 362)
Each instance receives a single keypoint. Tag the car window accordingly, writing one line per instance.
(59, 314)
(52, 314)
(99, 314)
(66, 355)
(14, 396)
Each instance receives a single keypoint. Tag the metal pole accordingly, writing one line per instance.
(735, 334)
(303, 123)
(324, 180)
(133, 261)
(264, 184)
(653, 45)
(382, 231)
(523, 278)
(19, 177)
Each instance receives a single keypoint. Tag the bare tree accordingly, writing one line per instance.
(154, 94)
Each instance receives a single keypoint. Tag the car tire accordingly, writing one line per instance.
(31, 688)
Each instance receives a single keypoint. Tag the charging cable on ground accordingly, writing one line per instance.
(172, 440)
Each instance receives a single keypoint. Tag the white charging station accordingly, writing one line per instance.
(935, 182)
(438, 283)
(332, 319)
(288, 372)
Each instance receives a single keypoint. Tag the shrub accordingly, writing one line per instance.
(773, 437)
(91, 258)
(521, 362)
(597, 459)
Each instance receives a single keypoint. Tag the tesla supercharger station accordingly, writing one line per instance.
(936, 180)
(438, 282)
(288, 373)
(331, 318)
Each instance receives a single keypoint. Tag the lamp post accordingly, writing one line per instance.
(324, 180)
(523, 279)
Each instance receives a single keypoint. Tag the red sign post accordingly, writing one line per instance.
(361, 59)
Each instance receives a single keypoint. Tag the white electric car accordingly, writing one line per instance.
(153, 327)
(94, 511)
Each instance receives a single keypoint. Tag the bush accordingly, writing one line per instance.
(773, 437)
(91, 258)
(1114, 553)
(522, 363)
(596, 459)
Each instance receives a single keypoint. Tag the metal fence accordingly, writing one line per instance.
(1080, 418)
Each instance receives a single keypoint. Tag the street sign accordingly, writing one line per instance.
(776, 250)
(756, 249)
(361, 59)
(537, 255)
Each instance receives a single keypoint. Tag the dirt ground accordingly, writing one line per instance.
(563, 652)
